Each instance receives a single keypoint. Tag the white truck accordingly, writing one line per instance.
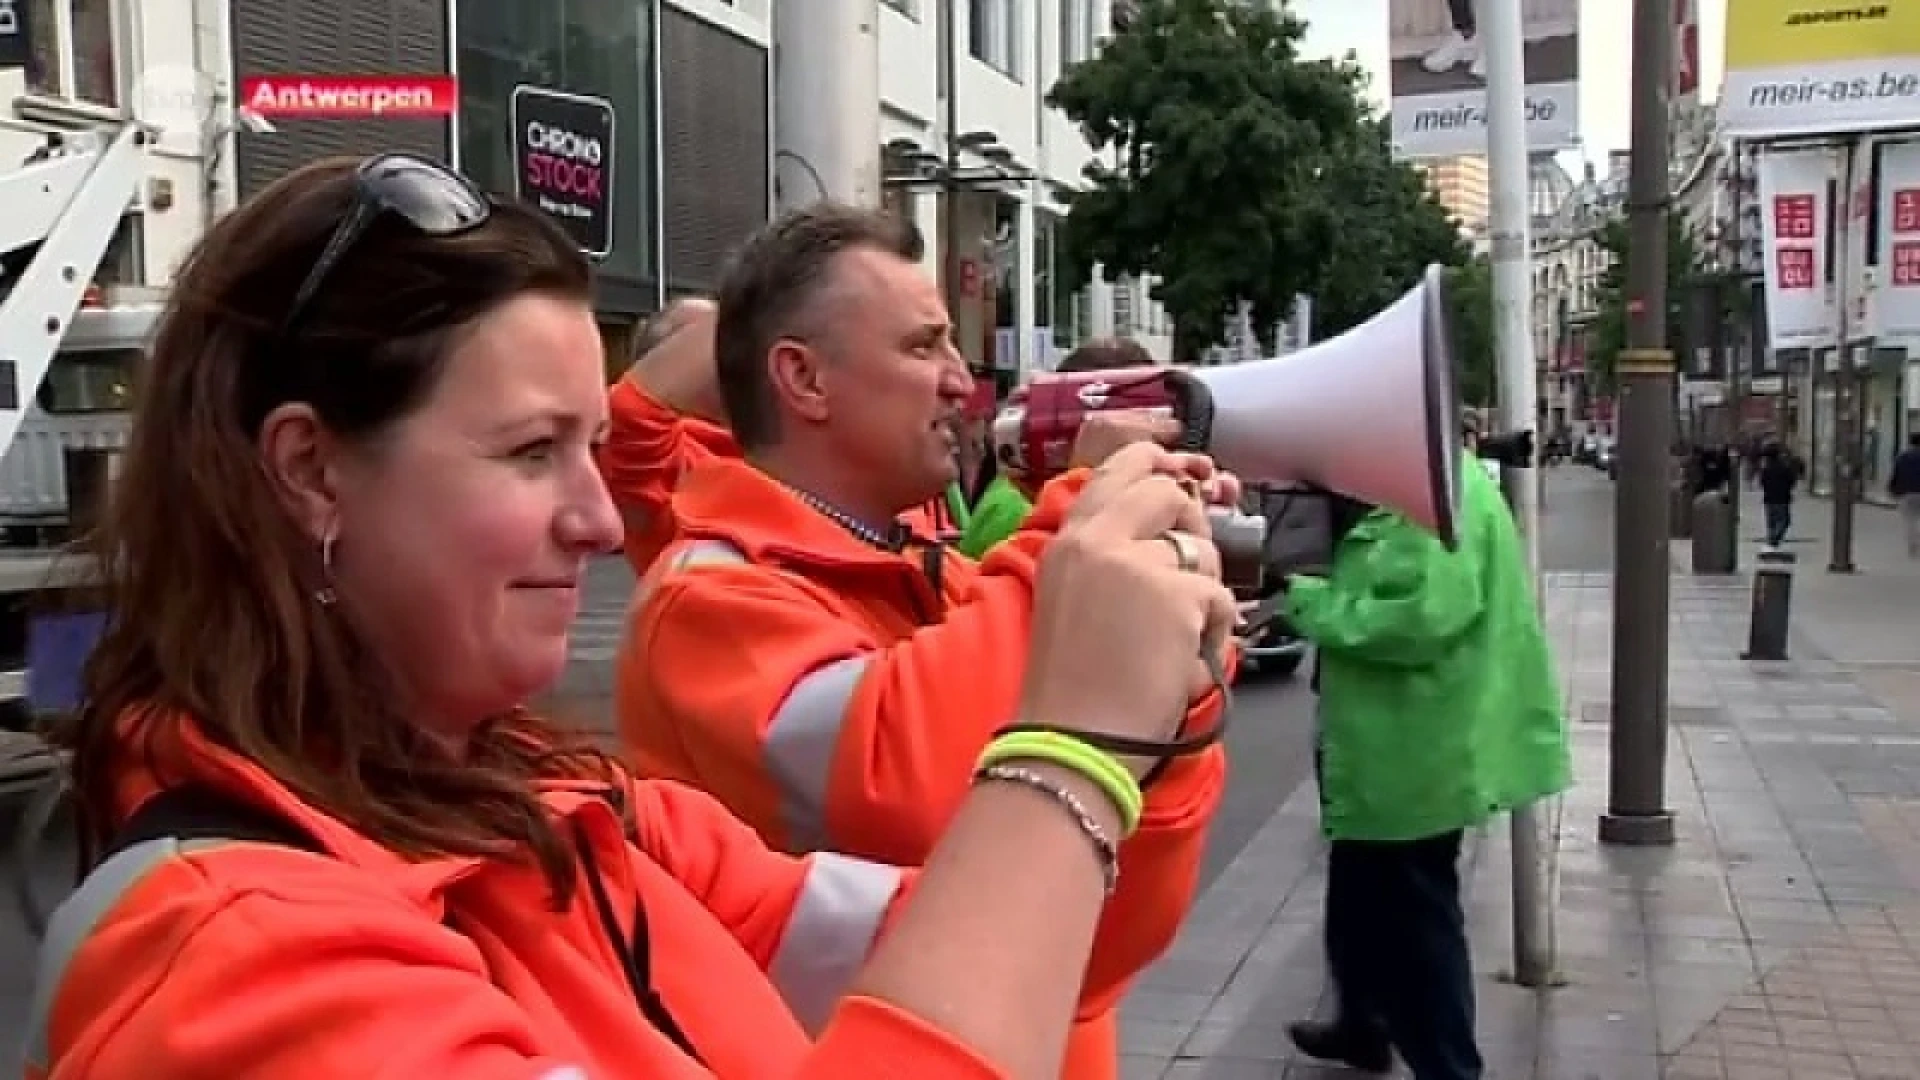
(70, 341)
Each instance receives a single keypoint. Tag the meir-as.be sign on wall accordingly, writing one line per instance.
(563, 161)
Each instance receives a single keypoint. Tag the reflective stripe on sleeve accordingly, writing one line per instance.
(831, 931)
(695, 555)
(75, 920)
(800, 743)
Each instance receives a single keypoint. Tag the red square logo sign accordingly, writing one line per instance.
(1906, 264)
(1906, 210)
(1795, 267)
(1793, 217)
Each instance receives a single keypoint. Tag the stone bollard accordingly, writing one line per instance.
(1772, 605)
(1713, 539)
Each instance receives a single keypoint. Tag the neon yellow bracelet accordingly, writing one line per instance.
(1096, 765)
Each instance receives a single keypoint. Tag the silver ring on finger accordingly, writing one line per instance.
(1186, 550)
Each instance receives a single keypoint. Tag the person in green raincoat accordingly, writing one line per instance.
(989, 517)
(1439, 708)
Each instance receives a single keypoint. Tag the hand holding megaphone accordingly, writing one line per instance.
(1128, 594)
(1101, 435)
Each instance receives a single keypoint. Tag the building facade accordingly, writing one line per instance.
(937, 109)
(671, 99)
(1568, 262)
(1461, 185)
(704, 134)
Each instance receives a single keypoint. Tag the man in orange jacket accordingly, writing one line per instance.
(665, 418)
(803, 654)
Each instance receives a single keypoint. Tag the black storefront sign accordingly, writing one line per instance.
(563, 161)
(16, 43)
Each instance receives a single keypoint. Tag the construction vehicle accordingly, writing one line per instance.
(70, 337)
(74, 321)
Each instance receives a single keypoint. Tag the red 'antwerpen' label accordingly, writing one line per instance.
(348, 96)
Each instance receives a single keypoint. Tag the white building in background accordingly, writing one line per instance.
(862, 114)
(1568, 264)
(90, 63)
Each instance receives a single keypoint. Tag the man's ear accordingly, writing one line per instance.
(301, 460)
(798, 373)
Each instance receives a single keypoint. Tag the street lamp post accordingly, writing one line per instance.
(1637, 736)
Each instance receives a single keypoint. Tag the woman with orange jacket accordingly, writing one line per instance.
(328, 841)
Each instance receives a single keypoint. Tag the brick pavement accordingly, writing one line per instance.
(1779, 937)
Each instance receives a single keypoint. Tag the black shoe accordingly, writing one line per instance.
(1331, 1042)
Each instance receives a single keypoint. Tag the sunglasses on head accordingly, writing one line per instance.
(432, 199)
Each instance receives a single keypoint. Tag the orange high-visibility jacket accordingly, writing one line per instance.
(833, 699)
(252, 961)
(650, 447)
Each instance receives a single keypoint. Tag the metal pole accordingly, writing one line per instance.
(1501, 36)
(1637, 736)
(948, 35)
(1847, 435)
(1736, 407)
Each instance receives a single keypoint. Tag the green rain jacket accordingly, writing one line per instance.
(995, 517)
(1439, 704)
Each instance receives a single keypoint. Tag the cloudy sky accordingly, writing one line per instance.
(1606, 55)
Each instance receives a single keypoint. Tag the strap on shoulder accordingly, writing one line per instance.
(194, 812)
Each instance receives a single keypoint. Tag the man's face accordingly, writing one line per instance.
(896, 385)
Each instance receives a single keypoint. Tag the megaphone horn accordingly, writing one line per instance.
(1372, 414)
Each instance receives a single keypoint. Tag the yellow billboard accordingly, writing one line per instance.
(1797, 67)
(1781, 33)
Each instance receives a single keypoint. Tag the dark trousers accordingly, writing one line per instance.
(1397, 947)
(1461, 12)
(1779, 520)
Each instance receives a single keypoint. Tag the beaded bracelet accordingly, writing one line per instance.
(1104, 848)
(1077, 755)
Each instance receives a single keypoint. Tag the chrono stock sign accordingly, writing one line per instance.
(563, 161)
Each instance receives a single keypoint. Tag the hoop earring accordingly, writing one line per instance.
(325, 594)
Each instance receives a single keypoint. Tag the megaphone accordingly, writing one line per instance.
(1372, 414)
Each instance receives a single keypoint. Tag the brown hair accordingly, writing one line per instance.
(211, 585)
(769, 292)
(1106, 354)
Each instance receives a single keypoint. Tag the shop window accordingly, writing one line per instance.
(71, 45)
(1044, 290)
(616, 347)
(1004, 257)
(79, 383)
(597, 48)
(1078, 30)
(994, 34)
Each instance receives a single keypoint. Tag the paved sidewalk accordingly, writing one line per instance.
(1779, 938)
(1865, 619)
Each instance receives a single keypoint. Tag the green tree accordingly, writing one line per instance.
(1685, 260)
(1212, 130)
(1391, 228)
(1469, 289)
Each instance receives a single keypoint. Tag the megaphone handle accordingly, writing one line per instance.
(1193, 409)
